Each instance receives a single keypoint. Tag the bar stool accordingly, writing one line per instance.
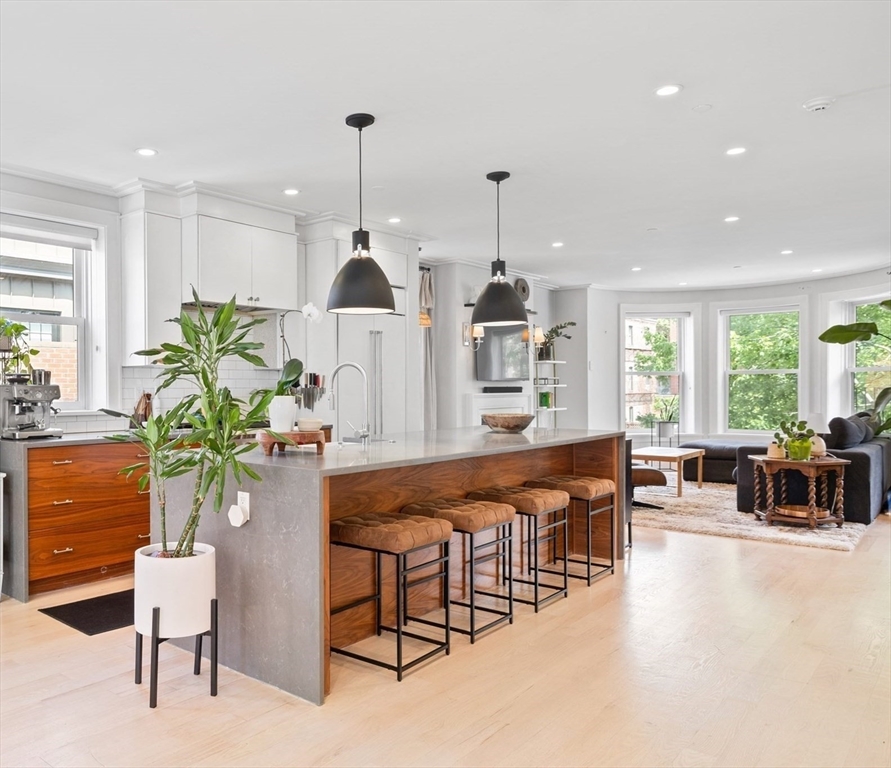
(588, 490)
(535, 505)
(397, 535)
(470, 518)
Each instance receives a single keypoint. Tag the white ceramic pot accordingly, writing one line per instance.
(775, 451)
(282, 413)
(182, 587)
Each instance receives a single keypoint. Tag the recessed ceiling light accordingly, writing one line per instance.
(394, 220)
(816, 270)
(785, 253)
(681, 283)
(736, 151)
(702, 107)
(732, 218)
(636, 269)
(669, 90)
(146, 152)
(291, 191)
(556, 245)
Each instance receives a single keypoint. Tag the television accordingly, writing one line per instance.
(503, 355)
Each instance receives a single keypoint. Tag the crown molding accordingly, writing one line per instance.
(485, 265)
(54, 178)
(191, 187)
(377, 226)
(144, 185)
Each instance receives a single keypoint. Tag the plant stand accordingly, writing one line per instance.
(156, 639)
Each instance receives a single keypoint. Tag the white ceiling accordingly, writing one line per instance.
(251, 97)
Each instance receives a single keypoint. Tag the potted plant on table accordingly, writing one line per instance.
(283, 406)
(179, 575)
(795, 436)
(547, 350)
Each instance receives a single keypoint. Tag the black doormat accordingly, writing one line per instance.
(96, 615)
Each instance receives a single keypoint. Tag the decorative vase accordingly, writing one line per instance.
(775, 451)
(665, 429)
(547, 352)
(818, 446)
(282, 413)
(182, 587)
(800, 449)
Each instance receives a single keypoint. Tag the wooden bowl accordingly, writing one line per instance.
(507, 422)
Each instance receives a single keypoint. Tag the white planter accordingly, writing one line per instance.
(282, 413)
(182, 587)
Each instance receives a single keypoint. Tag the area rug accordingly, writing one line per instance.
(97, 614)
(712, 510)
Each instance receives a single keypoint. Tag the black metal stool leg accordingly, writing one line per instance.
(472, 589)
(400, 612)
(446, 595)
(138, 667)
(588, 537)
(509, 544)
(156, 643)
(378, 598)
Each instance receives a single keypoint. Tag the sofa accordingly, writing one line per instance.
(719, 461)
(867, 477)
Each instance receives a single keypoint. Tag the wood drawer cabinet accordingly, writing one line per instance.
(85, 519)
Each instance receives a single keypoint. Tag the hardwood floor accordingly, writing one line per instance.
(701, 651)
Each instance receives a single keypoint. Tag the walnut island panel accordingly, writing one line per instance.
(277, 576)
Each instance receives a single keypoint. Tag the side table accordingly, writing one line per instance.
(814, 470)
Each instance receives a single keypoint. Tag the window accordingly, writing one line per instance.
(653, 370)
(761, 368)
(41, 285)
(869, 362)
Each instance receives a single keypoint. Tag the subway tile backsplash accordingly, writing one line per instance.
(241, 377)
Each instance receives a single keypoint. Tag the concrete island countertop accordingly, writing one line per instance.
(400, 450)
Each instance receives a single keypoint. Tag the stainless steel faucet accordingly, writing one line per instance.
(361, 434)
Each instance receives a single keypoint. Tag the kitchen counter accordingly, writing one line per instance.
(276, 575)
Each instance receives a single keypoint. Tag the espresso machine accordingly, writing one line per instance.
(26, 411)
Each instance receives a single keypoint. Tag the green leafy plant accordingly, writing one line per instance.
(16, 352)
(667, 408)
(850, 333)
(558, 332)
(792, 430)
(219, 421)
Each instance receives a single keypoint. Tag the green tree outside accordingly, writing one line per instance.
(762, 342)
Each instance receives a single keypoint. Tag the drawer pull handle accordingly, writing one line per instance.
(141, 455)
(143, 535)
(60, 503)
(143, 493)
(66, 461)
(63, 551)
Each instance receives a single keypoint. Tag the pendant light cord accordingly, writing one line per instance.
(498, 221)
(360, 178)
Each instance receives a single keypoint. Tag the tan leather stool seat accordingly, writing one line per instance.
(465, 515)
(530, 501)
(389, 531)
(577, 487)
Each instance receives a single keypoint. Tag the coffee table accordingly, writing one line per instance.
(677, 456)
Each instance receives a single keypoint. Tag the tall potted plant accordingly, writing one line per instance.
(15, 351)
(179, 575)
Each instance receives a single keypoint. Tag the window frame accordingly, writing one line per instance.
(684, 318)
(725, 313)
(79, 320)
(850, 354)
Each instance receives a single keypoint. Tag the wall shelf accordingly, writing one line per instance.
(550, 409)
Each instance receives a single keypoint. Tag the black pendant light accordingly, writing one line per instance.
(361, 287)
(499, 303)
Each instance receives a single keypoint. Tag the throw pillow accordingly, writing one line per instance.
(847, 433)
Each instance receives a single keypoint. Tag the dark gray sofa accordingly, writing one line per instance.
(719, 462)
(867, 479)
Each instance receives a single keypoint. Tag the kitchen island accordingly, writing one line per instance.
(277, 577)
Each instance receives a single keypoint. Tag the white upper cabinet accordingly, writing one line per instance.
(150, 246)
(226, 258)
